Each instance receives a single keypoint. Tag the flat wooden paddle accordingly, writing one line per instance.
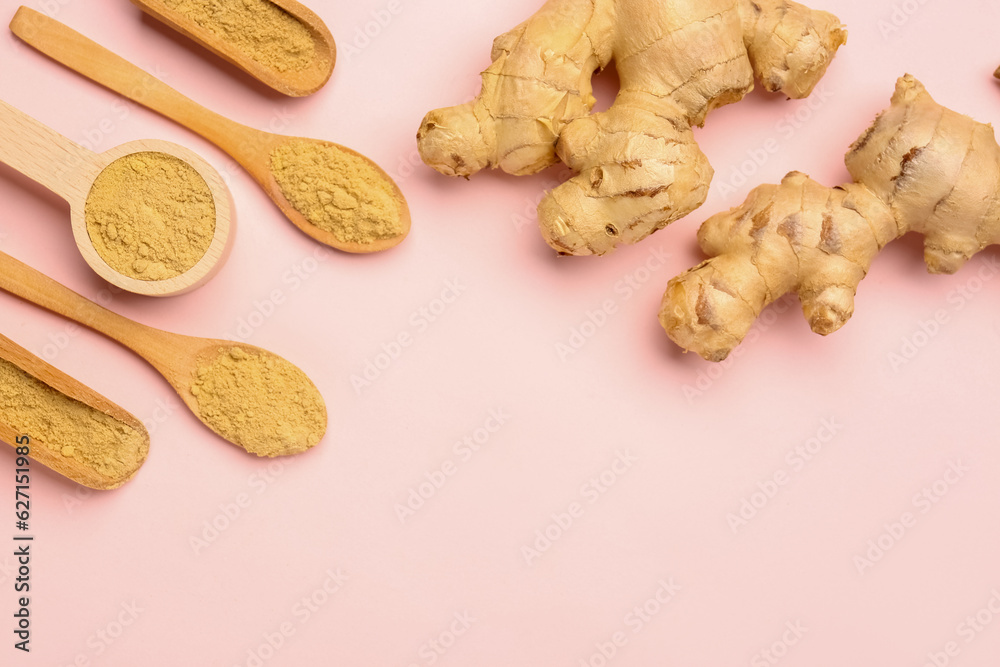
(296, 82)
(76, 468)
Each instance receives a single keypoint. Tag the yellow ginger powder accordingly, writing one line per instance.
(337, 191)
(259, 401)
(150, 216)
(261, 30)
(68, 428)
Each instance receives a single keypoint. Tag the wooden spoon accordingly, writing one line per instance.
(69, 170)
(177, 358)
(251, 148)
(74, 467)
(294, 82)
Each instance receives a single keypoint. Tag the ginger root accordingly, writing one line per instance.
(920, 167)
(638, 165)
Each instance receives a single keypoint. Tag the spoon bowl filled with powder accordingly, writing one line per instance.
(336, 195)
(256, 399)
(281, 43)
(150, 217)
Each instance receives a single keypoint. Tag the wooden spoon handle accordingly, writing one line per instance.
(38, 152)
(31, 285)
(66, 46)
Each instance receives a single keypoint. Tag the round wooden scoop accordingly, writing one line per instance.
(179, 359)
(252, 148)
(296, 82)
(75, 468)
(69, 170)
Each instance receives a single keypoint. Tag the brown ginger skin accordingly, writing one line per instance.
(938, 170)
(800, 237)
(919, 167)
(638, 165)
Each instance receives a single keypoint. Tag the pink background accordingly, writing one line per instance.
(681, 443)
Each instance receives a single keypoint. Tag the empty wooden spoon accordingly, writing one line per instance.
(247, 395)
(72, 172)
(281, 43)
(67, 426)
(346, 200)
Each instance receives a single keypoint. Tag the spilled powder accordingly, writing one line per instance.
(337, 191)
(68, 428)
(259, 401)
(261, 30)
(151, 216)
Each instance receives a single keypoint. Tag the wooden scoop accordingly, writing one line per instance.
(75, 468)
(294, 82)
(177, 358)
(69, 170)
(251, 148)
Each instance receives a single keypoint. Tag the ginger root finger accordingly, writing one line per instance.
(628, 185)
(790, 45)
(938, 170)
(539, 81)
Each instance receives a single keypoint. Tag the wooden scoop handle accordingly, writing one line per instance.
(70, 48)
(31, 285)
(40, 153)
